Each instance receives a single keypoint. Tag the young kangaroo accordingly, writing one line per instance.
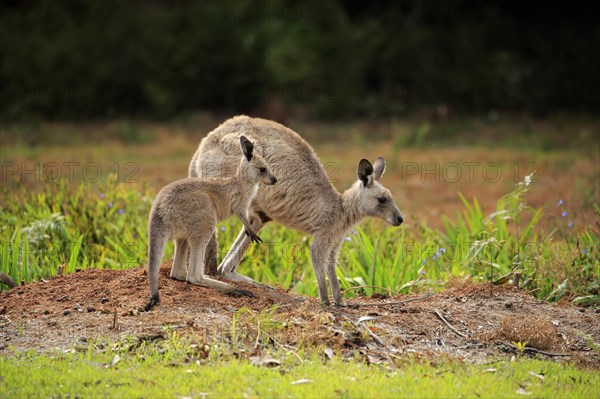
(188, 210)
(304, 199)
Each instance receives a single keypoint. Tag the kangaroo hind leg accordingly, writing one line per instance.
(179, 269)
(331, 274)
(196, 272)
(210, 258)
(228, 268)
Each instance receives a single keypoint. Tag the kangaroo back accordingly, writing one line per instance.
(303, 196)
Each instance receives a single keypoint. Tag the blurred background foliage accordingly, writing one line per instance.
(78, 60)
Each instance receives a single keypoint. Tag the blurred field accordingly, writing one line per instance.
(427, 163)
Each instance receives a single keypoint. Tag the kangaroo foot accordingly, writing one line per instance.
(176, 276)
(348, 305)
(233, 276)
(154, 300)
(239, 293)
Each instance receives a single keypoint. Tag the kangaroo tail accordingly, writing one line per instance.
(156, 246)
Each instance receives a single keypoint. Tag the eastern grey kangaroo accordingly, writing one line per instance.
(188, 211)
(304, 199)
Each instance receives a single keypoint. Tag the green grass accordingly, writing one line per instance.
(176, 368)
(61, 229)
(65, 228)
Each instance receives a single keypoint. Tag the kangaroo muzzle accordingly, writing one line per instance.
(396, 220)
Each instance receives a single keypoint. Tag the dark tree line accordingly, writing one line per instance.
(94, 59)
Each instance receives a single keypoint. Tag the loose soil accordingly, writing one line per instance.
(480, 322)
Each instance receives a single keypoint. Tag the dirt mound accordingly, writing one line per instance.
(471, 322)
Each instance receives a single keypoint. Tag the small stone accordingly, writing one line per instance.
(66, 312)
(104, 300)
(508, 304)
(46, 311)
(91, 309)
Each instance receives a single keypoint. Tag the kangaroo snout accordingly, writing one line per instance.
(273, 180)
(396, 220)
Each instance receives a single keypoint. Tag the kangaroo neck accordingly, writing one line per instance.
(351, 212)
(240, 192)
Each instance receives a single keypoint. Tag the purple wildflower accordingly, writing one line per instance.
(101, 195)
(564, 214)
(121, 211)
(570, 224)
(559, 203)
(222, 228)
(110, 204)
(348, 239)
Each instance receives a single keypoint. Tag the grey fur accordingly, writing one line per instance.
(304, 198)
(187, 211)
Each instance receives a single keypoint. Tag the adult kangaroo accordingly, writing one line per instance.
(303, 198)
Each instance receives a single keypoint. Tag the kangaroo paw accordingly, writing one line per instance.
(253, 236)
(239, 293)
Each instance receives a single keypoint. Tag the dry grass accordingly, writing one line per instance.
(535, 331)
(459, 282)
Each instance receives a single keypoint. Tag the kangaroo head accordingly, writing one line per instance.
(253, 167)
(373, 198)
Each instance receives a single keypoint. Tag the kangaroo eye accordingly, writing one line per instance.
(262, 170)
(382, 200)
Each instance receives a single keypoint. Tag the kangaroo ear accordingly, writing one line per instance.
(365, 172)
(378, 168)
(247, 147)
